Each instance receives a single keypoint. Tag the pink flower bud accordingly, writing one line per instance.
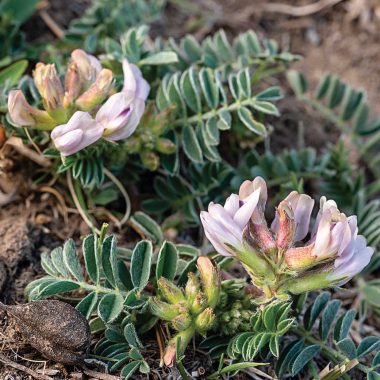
(97, 92)
(122, 112)
(287, 226)
(80, 131)
(49, 85)
(210, 278)
(22, 114)
(88, 66)
(73, 85)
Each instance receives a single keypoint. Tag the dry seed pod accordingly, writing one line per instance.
(54, 328)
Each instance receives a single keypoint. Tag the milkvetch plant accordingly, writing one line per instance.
(276, 257)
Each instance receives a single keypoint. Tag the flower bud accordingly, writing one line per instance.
(205, 320)
(22, 114)
(192, 287)
(165, 146)
(300, 257)
(88, 66)
(97, 92)
(165, 311)
(181, 322)
(49, 85)
(199, 303)
(173, 294)
(287, 227)
(210, 278)
(261, 238)
(150, 160)
(73, 85)
(170, 355)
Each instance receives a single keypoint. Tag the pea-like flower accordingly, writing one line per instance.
(224, 225)
(22, 114)
(277, 258)
(80, 131)
(122, 112)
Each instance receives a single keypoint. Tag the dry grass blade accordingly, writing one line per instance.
(301, 11)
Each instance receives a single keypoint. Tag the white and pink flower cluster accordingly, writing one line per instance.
(277, 256)
(84, 109)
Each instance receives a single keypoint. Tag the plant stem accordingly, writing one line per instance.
(208, 115)
(182, 371)
(79, 202)
(125, 194)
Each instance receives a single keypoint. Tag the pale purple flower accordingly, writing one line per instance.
(352, 261)
(80, 131)
(224, 226)
(122, 112)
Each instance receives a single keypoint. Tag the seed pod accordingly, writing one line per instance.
(56, 329)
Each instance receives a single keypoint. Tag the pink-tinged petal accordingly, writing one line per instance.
(243, 215)
(142, 89)
(232, 204)
(217, 234)
(112, 114)
(80, 131)
(224, 219)
(356, 263)
(248, 187)
(300, 257)
(69, 142)
(302, 213)
(95, 63)
(129, 78)
(134, 116)
(353, 223)
(19, 109)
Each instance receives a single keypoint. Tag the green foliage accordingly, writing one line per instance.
(268, 325)
(121, 348)
(110, 18)
(205, 106)
(186, 197)
(13, 13)
(344, 106)
(216, 51)
(330, 341)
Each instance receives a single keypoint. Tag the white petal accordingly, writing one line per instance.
(243, 215)
(232, 204)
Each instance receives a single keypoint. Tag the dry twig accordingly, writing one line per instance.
(301, 11)
(6, 361)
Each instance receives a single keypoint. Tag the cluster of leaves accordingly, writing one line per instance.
(330, 341)
(346, 107)
(110, 19)
(13, 13)
(246, 50)
(204, 106)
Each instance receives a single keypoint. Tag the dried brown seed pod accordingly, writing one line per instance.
(56, 329)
